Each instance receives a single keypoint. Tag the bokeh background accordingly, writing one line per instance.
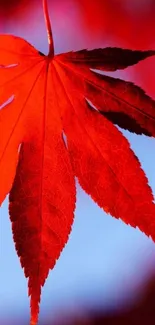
(107, 268)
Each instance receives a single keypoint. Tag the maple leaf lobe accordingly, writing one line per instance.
(108, 59)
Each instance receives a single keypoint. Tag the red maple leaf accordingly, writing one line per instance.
(38, 165)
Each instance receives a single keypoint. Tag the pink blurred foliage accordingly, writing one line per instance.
(129, 20)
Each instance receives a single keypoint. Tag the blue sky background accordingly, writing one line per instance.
(105, 262)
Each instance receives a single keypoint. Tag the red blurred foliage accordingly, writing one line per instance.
(12, 9)
(129, 20)
(129, 23)
(122, 19)
(9, 7)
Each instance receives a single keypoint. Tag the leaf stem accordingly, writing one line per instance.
(49, 29)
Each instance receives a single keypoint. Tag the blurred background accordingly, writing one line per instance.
(106, 273)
